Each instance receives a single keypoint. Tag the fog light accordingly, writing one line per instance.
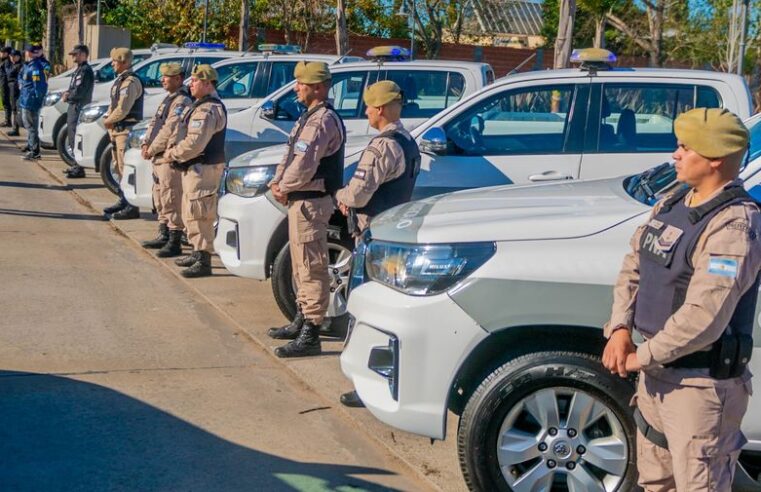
(131, 180)
(385, 361)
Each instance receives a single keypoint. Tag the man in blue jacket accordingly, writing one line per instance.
(34, 86)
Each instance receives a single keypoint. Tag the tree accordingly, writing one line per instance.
(599, 9)
(652, 43)
(564, 41)
(342, 36)
(50, 40)
(245, 13)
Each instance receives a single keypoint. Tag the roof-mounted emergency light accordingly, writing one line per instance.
(204, 46)
(389, 53)
(279, 49)
(593, 59)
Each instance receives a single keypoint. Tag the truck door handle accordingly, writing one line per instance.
(549, 176)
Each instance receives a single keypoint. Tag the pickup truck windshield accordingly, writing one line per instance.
(648, 187)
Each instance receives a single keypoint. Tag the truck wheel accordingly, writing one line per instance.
(549, 421)
(62, 145)
(339, 254)
(108, 171)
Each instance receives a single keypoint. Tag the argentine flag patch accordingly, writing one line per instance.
(726, 267)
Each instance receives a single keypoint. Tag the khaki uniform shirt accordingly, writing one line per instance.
(189, 141)
(174, 118)
(130, 91)
(382, 161)
(711, 299)
(322, 136)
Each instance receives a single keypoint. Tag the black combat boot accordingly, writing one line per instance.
(351, 399)
(122, 203)
(201, 268)
(306, 344)
(172, 247)
(74, 172)
(186, 261)
(160, 240)
(184, 239)
(289, 331)
(127, 213)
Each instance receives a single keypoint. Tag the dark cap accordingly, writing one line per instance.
(16, 53)
(80, 48)
(7, 49)
(33, 48)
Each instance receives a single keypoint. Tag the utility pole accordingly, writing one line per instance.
(564, 41)
(205, 20)
(245, 13)
(743, 34)
(342, 38)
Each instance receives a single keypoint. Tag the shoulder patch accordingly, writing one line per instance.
(360, 174)
(123, 92)
(179, 109)
(722, 266)
(196, 124)
(301, 146)
(742, 226)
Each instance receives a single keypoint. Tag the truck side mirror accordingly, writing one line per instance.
(269, 110)
(434, 141)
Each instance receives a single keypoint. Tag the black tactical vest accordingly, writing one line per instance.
(135, 114)
(330, 168)
(163, 113)
(666, 248)
(86, 97)
(398, 190)
(214, 152)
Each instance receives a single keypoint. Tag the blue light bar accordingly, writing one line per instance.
(279, 48)
(592, 55)
(389, 52)
(207, 46)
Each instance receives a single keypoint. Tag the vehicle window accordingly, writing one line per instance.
(755, 142)
(345, 93)
(640, 117)
(427, 92)
(236, 80)
(150, 73)
(106, 73)
(207, 60)
(520, 121)
(280, 74)
(138, 58)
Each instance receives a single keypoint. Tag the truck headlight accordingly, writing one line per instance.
(137, 135)
(52, 98)
(92, 113)
(250, 181)
(424, 269)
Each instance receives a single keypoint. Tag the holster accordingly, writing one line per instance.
(730, 356)
(353, 223)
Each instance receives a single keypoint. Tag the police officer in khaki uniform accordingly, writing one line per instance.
(309, 174)
(386, 172)
(689, 287)
(197, 148)
(167, 181)
(125, 110)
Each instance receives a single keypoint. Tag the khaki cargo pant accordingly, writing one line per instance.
(119, 146)
(167, 195)
(702, 426)
(308, 238)
(200, 184)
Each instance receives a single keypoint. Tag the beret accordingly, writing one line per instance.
(711, 132)
(123, 55)
(311, 72)
(381, 93)
(171, 69)
(205, 72)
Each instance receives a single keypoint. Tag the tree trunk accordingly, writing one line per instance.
(600, 24)
(80, 21)
(655, 21)
(342, 36)
(50, 34)
(564, 41)
(245, 13)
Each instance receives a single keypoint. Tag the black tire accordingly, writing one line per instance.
(107, 175)
(62, 145)
(498, 404)
(285, 297)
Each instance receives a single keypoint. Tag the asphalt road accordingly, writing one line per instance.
(115, 375)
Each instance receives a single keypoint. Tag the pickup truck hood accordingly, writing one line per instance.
(271, 155)
(511, 213)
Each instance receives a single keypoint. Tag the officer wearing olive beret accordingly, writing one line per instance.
(167, 181)
(689, 287)
(197, 149)
(124, 112)
(306, 179)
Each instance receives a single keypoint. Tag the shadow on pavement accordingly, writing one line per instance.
(42, 186)
(57, 433)
(49, 215)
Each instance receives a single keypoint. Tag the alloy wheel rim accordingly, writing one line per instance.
(562, 439)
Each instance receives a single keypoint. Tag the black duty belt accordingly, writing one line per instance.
(306, 195)
(695, 360)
